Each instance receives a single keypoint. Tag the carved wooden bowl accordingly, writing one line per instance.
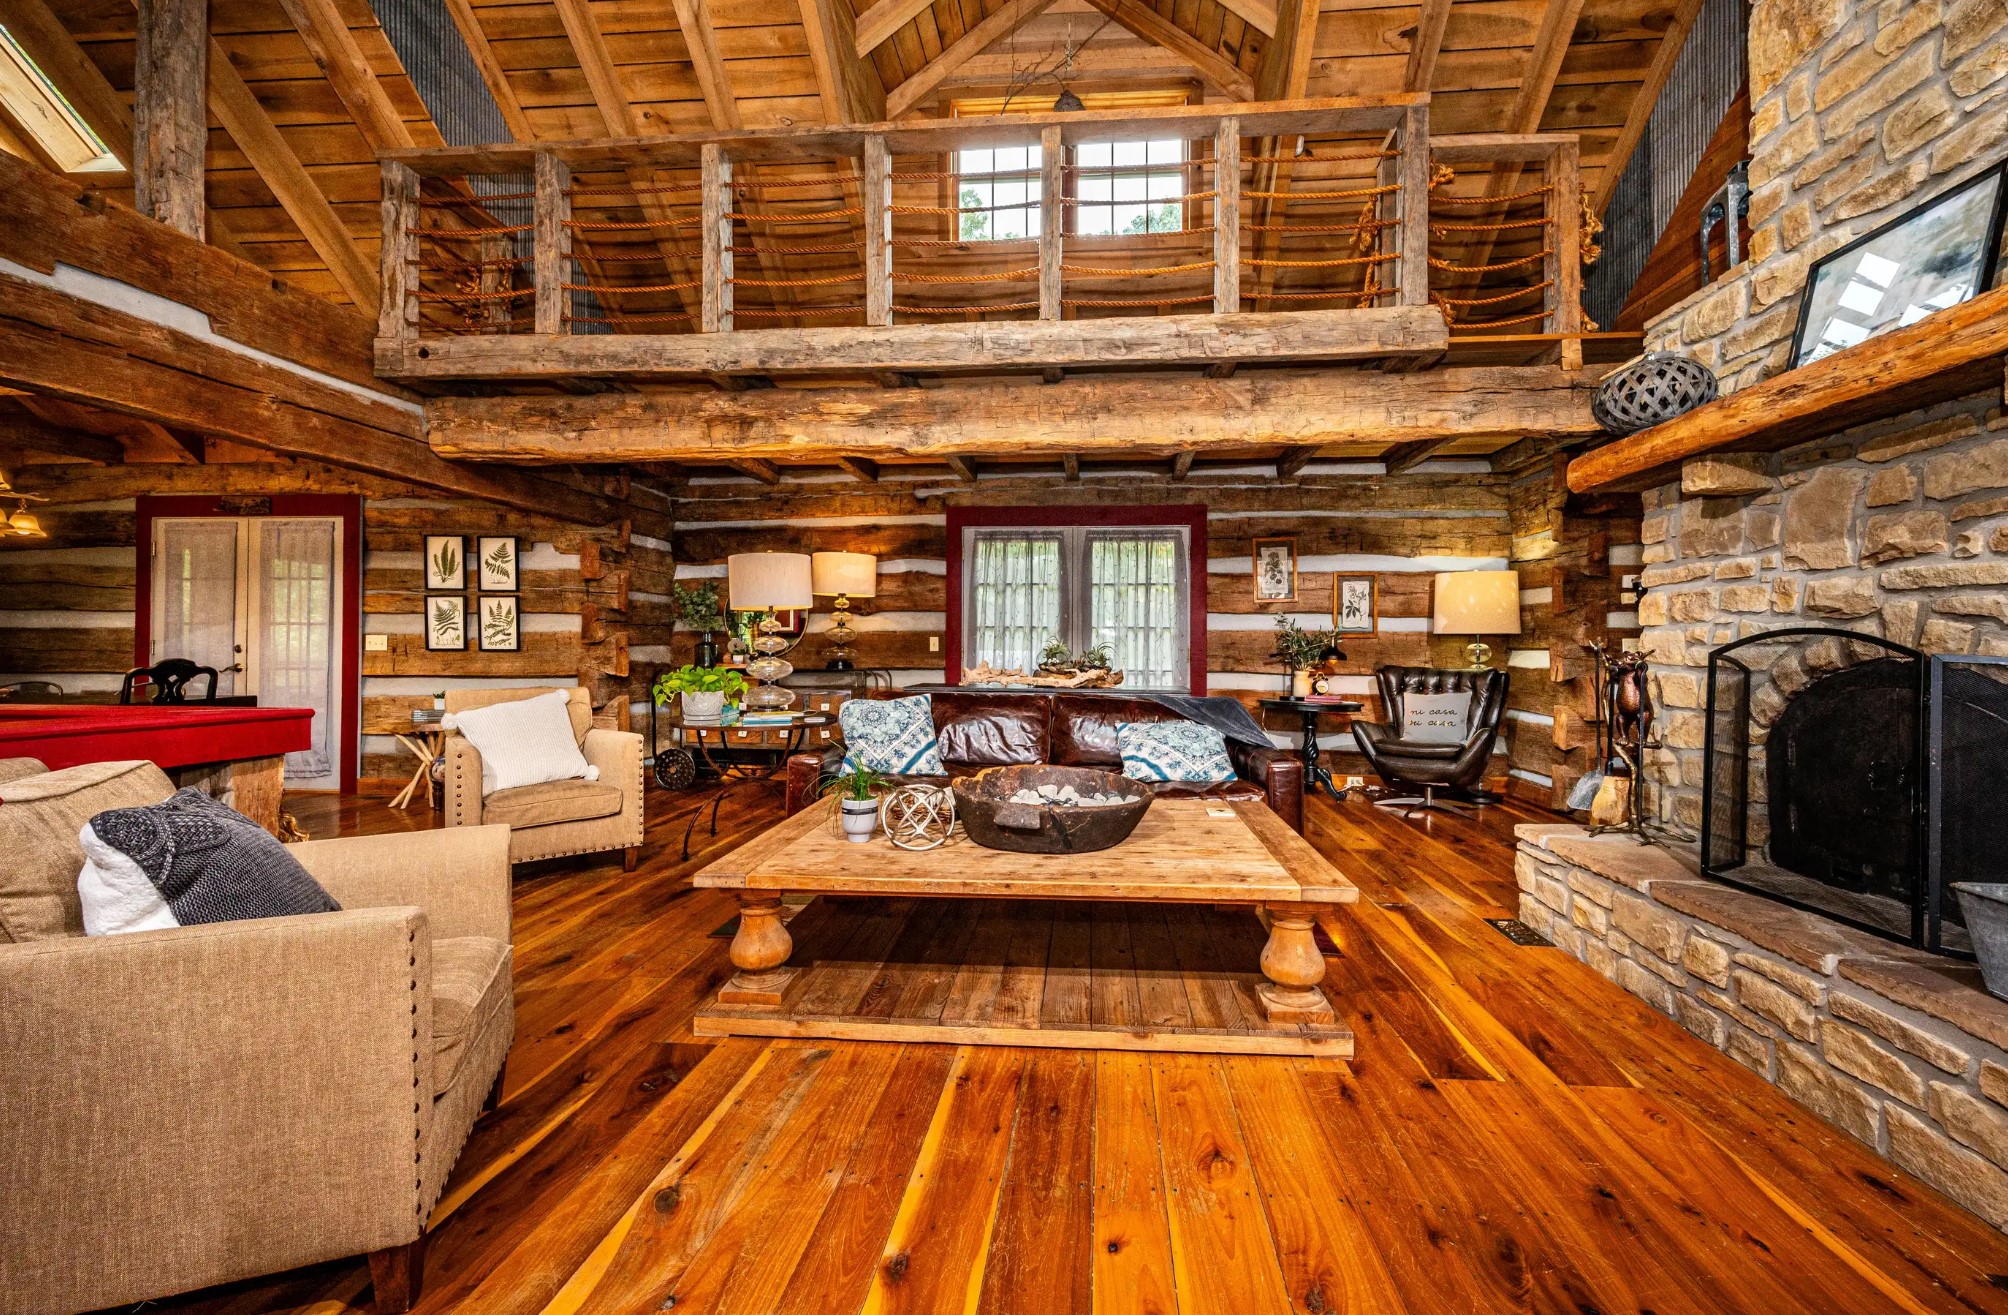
(983, 805)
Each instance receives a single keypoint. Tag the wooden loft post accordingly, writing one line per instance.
(1227, 217)
(717, 187)
(1564, 265)
(552, 248)
(397, 309)
(171, 112)
(1412, 175)
(1052, 220)
(878, 231)
(498, 277)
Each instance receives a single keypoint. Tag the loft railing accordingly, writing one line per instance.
(1287, 230)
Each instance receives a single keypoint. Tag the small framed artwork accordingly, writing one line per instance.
(1353, 605)
(501, 627)
(1276, 570)
(497, 564)
(446, 623)
(445, 562)
(1943, 252)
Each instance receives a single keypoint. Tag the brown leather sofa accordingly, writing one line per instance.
(990, 728)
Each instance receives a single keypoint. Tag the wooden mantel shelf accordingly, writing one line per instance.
(1949, 354)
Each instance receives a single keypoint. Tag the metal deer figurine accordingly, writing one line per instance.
(1627, 718)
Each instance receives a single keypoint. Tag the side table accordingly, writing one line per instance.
(424, 741)
(1315, 772)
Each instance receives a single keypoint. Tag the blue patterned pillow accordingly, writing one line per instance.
(891, 735)
(1173, 751)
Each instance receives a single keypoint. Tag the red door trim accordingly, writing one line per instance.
(349, 508)
(1190, 516)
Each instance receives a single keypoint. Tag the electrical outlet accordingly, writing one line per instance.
(1355, 782)
(376, 643)
(934, 643)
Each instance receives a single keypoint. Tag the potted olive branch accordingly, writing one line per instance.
(857, 788)
(704, 690)
(1299, 650)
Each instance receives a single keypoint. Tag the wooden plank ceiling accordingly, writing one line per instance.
(304, 91)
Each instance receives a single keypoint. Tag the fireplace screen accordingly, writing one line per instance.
(1967, 748)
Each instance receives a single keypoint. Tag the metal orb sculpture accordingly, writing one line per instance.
(917, 816)
(1651, 390)
(675, 769)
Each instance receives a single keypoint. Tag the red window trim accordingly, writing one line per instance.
(149, 508)
(1189, 516)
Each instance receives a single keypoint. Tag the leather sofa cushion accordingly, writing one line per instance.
(1084, 727)
(992, 730)
(1235, 789)
(549, 802)
(39, 820)
(470, 982)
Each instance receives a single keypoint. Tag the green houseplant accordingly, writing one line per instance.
(697, 607)
(1299, 650)
(857, 789)
(704, 690)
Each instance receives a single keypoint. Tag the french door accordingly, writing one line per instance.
(259, 598)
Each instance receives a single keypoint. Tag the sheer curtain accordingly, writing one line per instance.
(1014, 598)
(296, 609)
(1136, 607)
(196, 599)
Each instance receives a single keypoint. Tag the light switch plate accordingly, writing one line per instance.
(934, 643)
(376, 643)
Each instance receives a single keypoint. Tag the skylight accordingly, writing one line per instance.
(41, 112)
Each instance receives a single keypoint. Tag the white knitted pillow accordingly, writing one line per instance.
(525, 742)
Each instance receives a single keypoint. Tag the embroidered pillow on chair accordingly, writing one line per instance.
(895, 736)
(1182, 751)
(1435, 718)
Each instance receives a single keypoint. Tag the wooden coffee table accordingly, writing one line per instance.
(1147, 945)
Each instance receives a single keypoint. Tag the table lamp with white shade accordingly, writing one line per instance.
(843, 576)
(1477, 603)
(768, 582)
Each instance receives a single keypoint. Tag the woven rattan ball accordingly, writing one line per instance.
(917, 816)
(1655, 388)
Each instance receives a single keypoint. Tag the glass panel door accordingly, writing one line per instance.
(196, 599)
(298, 584)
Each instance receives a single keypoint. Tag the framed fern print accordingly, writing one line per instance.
(501, 628)
(445, 562)
(497, 564)
(446, 623)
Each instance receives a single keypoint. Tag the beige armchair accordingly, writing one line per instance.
(204, 1104)
(556, 817)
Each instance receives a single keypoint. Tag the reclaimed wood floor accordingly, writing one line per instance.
(1514, 1134)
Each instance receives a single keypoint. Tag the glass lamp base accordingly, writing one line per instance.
(1479, 655)
(769, 698)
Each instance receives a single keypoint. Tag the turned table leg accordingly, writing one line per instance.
(1294, 968)
(759, 949)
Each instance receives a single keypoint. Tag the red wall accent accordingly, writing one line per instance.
(346, 506)
(1190, 515)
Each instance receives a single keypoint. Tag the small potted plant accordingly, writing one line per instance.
(704, 690)
(1299, 651)
(439, 701)
(856, 787)
(697, 607)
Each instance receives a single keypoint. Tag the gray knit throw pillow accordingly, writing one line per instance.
(209, 862)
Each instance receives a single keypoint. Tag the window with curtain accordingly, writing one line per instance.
(1081, 586)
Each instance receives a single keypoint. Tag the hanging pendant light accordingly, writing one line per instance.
(23, 524)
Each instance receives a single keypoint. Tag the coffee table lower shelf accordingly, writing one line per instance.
(1065, 974)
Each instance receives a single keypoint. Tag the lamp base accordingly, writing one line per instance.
(839, 664)
(1479, 654)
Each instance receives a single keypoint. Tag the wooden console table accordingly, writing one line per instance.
(1145, 946)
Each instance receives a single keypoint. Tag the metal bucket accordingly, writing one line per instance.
(1985, 905)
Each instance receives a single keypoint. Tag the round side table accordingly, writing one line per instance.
(1315, 772)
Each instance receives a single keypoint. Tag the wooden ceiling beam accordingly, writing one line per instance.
(1294, 460)
(963, 467)
(1426, 45)
(996, 25)
(238, 110)
(1136, 415)
(876, 25)
(1406, 456)
(170, 121)
(860, 468)
(334, 47)
(1070, 467)
(764, 471)
(847, 81)
(1644, 99)
(1261, 15)
(1181, 465)
(38, 435)
(1145, 22)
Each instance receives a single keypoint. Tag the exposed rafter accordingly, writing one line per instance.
(1426, 45)
(348, 71)
(847, 82)
(764, 471)
(1294, 460)
(964, 468)
(170, 126)
(37, 435)
(1070, 467)
(862, 468)
(875, 26)
(1145, 22)
(1407, 456)
(998, 24)
(1181, 465)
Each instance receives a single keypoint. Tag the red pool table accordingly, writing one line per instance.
(218, 749)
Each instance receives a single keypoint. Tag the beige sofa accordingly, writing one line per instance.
(556, 817)
(198, 1105)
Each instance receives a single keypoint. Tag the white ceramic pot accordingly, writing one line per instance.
(860, 819)
(704, 706)
(1300, 684)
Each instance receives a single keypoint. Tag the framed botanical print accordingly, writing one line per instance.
(1276, 570)
(446, 623)
(497, 564)
(1354, 605)
(501, 627)
(445, 562)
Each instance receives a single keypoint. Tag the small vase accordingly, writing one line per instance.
(707, 650)
(703, 706)
(1300, 684)
(860, 818)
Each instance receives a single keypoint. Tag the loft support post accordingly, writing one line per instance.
(397, 312)
(553, 245)
(1227, 217)
(1052, 221)
(1564, 264)
(878, 231)
(171, 113)
(717, 275)
(1412, 168)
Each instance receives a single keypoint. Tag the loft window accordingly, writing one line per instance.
(998, 192)
(1128, 188)
(40, 113)
(1082, 586)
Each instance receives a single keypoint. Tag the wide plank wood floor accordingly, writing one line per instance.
(1514, 1134)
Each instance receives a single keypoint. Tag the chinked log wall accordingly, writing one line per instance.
(67, 602)
(1400, 529)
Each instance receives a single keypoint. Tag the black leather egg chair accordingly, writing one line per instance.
(1433, 767)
